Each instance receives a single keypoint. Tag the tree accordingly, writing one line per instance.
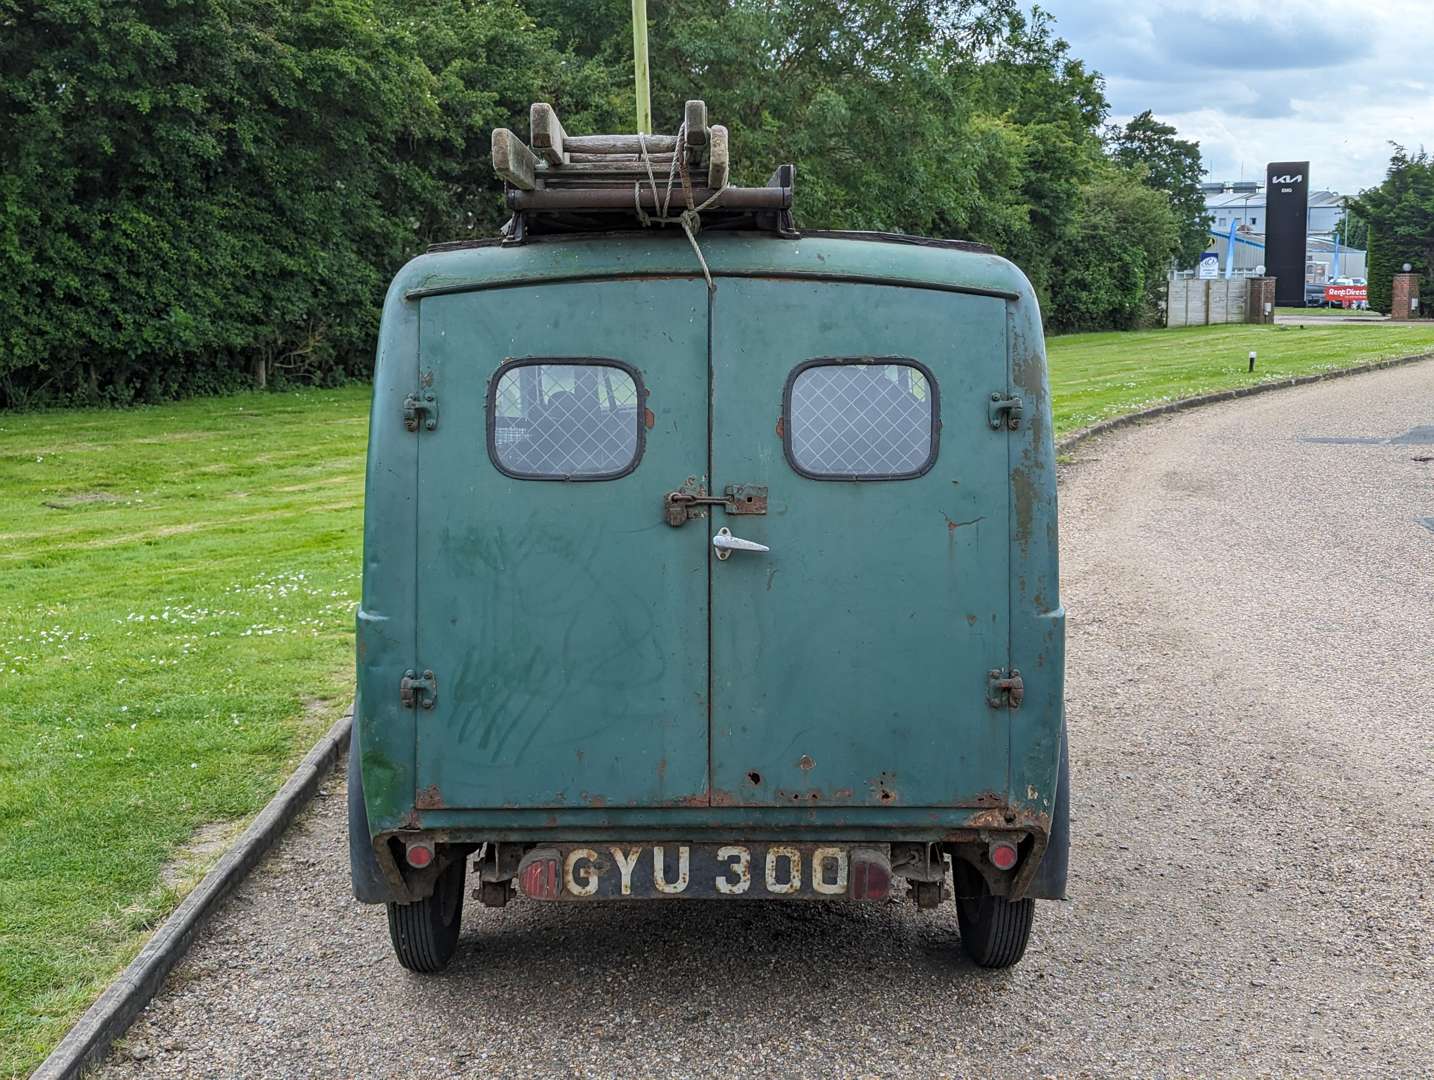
(1109, 271)
(953, 118)
(201, 194)
(1400, 215)
(197, 195)
(1170, 165)
(1022, 75)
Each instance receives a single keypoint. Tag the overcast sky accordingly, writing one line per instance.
(1292, 80)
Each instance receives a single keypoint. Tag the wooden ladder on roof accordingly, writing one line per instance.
(559, 161)
(655, 178)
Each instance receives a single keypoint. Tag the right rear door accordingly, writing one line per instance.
(850, 661)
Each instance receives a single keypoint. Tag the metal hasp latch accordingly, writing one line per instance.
(1005, 689)
(415, 689)
(1004, 412)
(688, 501)
(425, 405)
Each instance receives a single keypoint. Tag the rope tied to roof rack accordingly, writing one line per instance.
(691, 218)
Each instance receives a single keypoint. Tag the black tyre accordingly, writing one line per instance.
(425, 933)
(994, 930)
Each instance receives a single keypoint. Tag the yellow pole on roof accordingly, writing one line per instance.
(641, 75)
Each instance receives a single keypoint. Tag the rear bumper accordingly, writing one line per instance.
(948, 828)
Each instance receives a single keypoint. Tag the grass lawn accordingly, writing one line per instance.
(1094, 376)
(176, 630)
(179, 592)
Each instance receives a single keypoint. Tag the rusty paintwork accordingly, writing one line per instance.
(987, 799)
(952, 525)
(809, 795)
(883, 787)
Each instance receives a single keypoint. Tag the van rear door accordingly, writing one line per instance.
(565, 623)
(850, 661)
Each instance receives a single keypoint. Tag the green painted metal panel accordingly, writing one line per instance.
(642, 254)
(385, 619)
(850, 662)
(638, 297)
(1037, 617)
(565, 621)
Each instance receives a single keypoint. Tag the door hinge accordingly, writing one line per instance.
(1004, 412)
(418, 690)
(416, 405)
(691, 498)
(1005, 689)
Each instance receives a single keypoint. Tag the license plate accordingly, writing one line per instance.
(672, 871)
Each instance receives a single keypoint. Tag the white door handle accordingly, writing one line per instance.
(726, 543)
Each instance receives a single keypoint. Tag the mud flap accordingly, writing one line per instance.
(1050, 880)
(369, 884)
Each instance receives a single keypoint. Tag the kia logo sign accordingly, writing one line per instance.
(1286, 221)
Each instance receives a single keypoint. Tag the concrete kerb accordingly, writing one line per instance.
(123, 1000)
(1069, 442)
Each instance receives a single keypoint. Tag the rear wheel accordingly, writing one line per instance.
(994, 930)
(425, 932)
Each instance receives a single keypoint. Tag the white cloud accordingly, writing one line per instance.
(1333, 84)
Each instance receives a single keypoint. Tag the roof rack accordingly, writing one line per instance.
(593, 183)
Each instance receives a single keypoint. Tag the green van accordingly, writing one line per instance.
(706, 565)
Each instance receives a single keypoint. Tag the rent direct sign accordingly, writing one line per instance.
(1345, 294)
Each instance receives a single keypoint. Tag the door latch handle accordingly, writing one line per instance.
(726, 543)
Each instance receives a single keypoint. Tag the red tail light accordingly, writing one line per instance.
(1003, 855)
(538, 877)
(419, 853)
(870, 875)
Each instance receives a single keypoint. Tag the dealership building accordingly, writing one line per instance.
(1241, 203)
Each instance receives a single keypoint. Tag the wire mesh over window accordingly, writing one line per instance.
(856, 420)
(554, 421)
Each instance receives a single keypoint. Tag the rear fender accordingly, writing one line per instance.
(370, 884)
(1049, 882)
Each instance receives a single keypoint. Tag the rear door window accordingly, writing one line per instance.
(561, 419)
(861, 418)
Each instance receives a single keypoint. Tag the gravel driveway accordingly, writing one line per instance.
(1251, 597)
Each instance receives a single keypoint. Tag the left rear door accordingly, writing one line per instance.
(566, 624)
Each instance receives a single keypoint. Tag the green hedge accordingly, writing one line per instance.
(1380, 270)
(1400, 215)
(199, 194)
